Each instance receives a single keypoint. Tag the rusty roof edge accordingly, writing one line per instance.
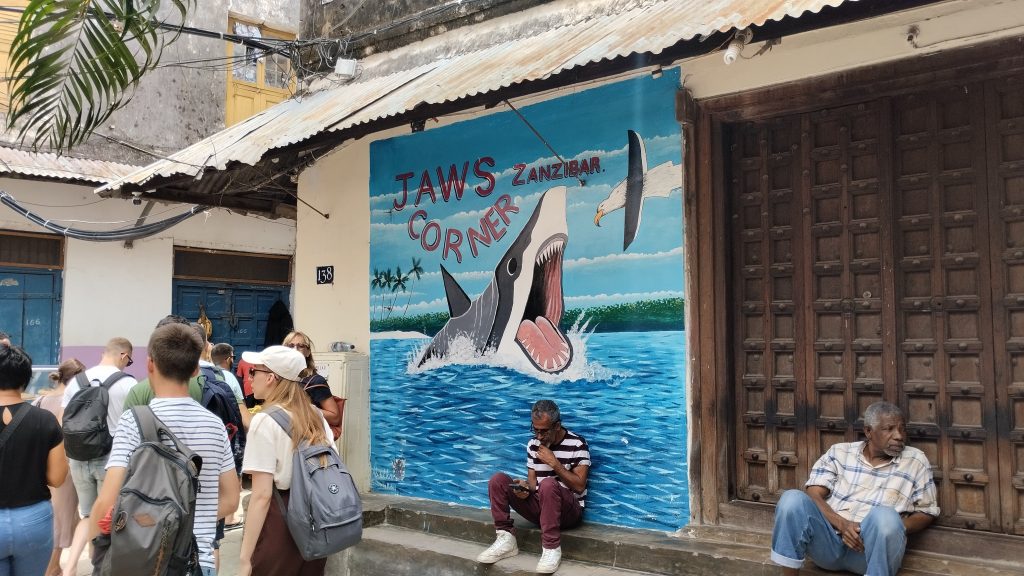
(463, 47)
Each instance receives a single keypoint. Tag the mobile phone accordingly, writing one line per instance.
(519, 487)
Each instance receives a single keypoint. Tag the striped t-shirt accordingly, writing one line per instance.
(572, 451)
(203, 432)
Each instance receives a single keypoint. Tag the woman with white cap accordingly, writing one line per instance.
(267, 546)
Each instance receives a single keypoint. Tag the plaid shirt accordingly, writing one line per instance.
(855, 486)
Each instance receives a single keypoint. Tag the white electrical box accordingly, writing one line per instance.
(348, 374)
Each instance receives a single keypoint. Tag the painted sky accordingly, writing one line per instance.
(583, 125)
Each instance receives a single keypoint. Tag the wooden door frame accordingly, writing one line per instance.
(712, 407)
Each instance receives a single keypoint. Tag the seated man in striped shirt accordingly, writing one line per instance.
(552, 495)
(860, 503)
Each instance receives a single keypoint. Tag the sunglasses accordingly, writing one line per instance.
(129, 356)
(302, 346)
(253, 371)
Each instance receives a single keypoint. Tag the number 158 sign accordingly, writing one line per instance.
(325, 274)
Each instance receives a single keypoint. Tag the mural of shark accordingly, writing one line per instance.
(520, 310)
(640, 184)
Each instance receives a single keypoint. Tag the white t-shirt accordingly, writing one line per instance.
(203, 432)
(268, 449)
(117, 393)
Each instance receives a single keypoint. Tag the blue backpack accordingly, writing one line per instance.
(219, 399)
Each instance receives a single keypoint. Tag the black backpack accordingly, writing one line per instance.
(151, 529)
(220, 399)
(86, 434)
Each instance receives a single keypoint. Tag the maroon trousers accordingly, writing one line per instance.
(276, 553)
(552, 507)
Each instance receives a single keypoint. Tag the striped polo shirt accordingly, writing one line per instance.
(572, 451)
(203, 432)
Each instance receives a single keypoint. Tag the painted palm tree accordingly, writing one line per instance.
(417, 271)
(375, 284)
(399, 283)
(77, 61)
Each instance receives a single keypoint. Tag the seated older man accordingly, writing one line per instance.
(860, 503)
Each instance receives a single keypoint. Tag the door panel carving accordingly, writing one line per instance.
(879, 253)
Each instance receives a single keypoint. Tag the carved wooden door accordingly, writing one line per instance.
(1004, 122)
(879, 253)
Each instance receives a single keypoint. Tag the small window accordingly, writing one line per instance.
(225, 266)
(31, 250)
(257, 79)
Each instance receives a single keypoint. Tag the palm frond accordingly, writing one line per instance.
(77, 61)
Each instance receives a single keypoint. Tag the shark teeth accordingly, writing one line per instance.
(555, 247)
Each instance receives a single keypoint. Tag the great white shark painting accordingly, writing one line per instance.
(520, 309)
(639, 184)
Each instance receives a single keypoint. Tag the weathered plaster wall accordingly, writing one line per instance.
(113, 290)
(174, 106)
(393, 23)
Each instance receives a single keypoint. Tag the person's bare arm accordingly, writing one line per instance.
(331, 411)
(56, 466)
(848, 531)
(917, 521)
(227, 494)
(112, 484)
(575, 479)
(246, 415)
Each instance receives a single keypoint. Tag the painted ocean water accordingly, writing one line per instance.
(440, 433)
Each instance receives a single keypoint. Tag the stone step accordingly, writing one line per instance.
(393, 551)
(691, 551)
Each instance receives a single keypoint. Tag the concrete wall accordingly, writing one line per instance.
(176, 106)
(113, 290)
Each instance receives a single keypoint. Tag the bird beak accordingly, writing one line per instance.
(597, 217)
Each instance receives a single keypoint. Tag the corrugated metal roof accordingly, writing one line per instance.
(51, 166)
(534, 44)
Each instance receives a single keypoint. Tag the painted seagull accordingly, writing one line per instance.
(519, 311)
(640, 184)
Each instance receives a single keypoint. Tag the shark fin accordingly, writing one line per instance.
(458, 301)
(634, 188)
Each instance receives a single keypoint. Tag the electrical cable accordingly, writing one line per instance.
(133, 233)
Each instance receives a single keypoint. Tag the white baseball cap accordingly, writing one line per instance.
(286, 362)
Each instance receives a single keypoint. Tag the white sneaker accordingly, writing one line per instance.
(504, 546)
(549, 561)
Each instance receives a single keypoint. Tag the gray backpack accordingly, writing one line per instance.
(151, 526)
(86, 435)
(324, 511)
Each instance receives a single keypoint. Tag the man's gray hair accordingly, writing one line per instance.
(874, 413)
(546, 408)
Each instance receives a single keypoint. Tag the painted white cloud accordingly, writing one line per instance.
(618, 258)
(462, 276)
(606, 299)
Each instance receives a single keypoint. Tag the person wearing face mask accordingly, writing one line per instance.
(553, 494)
(861, 501)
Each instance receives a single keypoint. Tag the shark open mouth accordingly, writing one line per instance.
(539, 335)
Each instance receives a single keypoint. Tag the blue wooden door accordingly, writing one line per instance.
(30, 311)
(238, 313)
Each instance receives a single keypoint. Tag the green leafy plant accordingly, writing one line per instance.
(77, 61)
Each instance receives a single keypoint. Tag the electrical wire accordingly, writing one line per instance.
(133, 233)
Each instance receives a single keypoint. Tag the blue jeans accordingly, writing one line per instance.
(207, 571)
(802, 530)
(26, 539)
